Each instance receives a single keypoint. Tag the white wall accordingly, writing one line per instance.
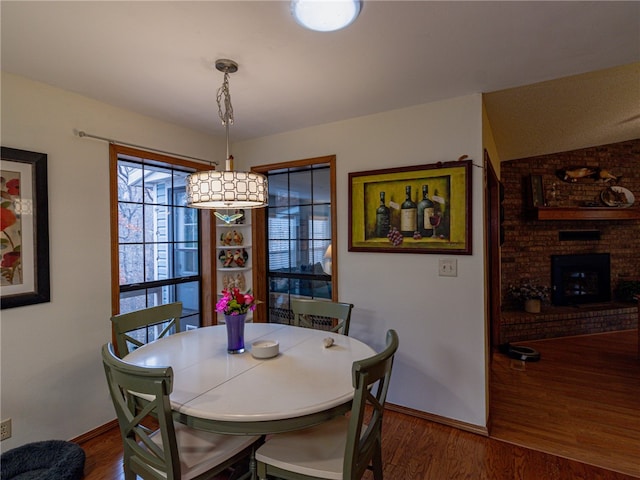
(53, 385)
(441, 364)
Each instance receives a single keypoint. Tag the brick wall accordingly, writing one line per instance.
(529, 244)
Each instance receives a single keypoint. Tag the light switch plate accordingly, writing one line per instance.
(448, 267)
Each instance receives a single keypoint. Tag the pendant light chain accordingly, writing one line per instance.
(223, 91)
(227, 116)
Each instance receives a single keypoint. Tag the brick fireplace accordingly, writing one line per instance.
(529, 244)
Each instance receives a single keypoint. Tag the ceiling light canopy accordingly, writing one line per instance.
(226, 189)
(325, 15)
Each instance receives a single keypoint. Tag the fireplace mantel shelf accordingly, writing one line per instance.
(586, 213)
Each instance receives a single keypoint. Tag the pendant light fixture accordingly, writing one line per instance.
(226, 189)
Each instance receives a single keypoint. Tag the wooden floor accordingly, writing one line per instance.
(577, 412)
(580, 401)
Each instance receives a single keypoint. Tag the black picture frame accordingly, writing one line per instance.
(449, 185)
(25, 208)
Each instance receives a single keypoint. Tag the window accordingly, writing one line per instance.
(299, 232)
(157, 237)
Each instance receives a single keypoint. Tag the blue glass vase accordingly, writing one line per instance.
(235, 332)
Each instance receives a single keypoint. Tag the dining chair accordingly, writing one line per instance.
(161, 448)
(321, 314)
(132, 328)
(344, 447)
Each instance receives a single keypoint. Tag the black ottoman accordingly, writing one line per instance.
(48, 460)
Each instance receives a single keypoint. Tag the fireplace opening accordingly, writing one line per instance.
(581, 278)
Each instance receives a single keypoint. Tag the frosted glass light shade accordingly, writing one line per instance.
(226, 189)
(325, 15)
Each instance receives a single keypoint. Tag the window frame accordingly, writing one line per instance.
(259, 234)
(206, 233)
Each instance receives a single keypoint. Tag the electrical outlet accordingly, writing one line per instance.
(5, 429)
(448, 267)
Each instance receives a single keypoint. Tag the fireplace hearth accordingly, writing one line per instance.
(580, 279)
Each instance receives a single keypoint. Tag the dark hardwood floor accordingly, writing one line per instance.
(574, 403)
(580, 401)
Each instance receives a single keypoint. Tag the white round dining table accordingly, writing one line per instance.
(304, 385)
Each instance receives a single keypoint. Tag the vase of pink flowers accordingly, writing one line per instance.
(235, 305)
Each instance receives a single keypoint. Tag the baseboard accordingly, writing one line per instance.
(438, 419)
(96, 432)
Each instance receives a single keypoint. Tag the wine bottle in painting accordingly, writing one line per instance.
(425, 211)
(383, 218)
(408, 214)
(439, 220)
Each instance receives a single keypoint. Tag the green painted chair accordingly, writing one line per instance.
(342, 448)
(322, 315)
(132, 329)
(169, 450)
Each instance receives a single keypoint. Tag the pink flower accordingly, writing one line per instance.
(235, 303)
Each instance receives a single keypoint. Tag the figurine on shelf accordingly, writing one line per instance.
(552, 196)
(607, 176)
(233, 258)
(231, 237)
(227, 281)
(226, 257)
(240, 282)
(241, 219)
(240, 257)
(226, 218)
(231, 281)
(573, 174)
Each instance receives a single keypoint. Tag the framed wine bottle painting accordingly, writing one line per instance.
(416, 209)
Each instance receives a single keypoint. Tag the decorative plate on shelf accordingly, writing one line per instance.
(231, 237)
(234, 280)
(233, 258)
(617, 197)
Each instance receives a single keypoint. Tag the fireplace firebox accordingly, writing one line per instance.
(580, 278)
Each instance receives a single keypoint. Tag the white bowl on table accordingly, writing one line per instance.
(265, 348)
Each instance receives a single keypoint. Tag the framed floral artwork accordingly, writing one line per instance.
(24, 228)
(417, 209)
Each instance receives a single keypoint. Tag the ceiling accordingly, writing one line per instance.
(156, 58)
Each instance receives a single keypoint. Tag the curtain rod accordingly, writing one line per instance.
(81, 134)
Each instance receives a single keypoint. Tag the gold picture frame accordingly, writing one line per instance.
(441, 226)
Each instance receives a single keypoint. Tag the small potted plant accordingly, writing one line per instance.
(530, 294)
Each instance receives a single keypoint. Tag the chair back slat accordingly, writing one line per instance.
(145, 457)
(322, 315)
(370, 378)
(125, 325)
